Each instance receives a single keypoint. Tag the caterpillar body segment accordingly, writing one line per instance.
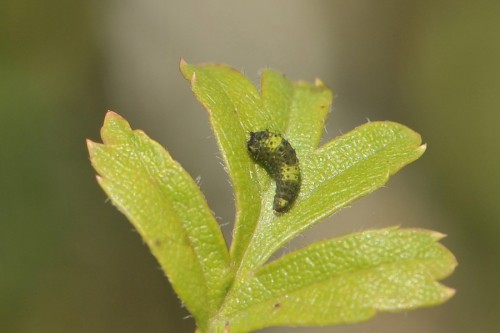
(277, 156)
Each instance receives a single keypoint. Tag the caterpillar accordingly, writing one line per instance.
(278, 157)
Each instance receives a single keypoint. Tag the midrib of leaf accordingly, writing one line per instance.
(213, 306)
(241, 218)
(192, 245)
(232, 145)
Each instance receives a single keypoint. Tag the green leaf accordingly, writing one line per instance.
(344, 280)
(298, 110)
(336, 281)
(332, 176)
(233, 103)
(167, 208)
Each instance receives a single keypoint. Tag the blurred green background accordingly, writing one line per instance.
(70, 262)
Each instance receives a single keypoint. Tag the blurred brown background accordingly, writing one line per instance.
(69, 262)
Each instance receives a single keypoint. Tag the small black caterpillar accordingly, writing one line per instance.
(279, 159)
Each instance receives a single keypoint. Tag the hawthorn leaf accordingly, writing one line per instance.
(169, 211)
(337, 281)
(343, 280)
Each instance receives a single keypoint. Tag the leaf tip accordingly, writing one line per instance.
(436, 235)
(187, 70)
(90, 144)
(111, 113)
(422, 148)
(182, 63)
(114, 126)
(448, 293)
(91, 147)
(113, 117)
(318, 82)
